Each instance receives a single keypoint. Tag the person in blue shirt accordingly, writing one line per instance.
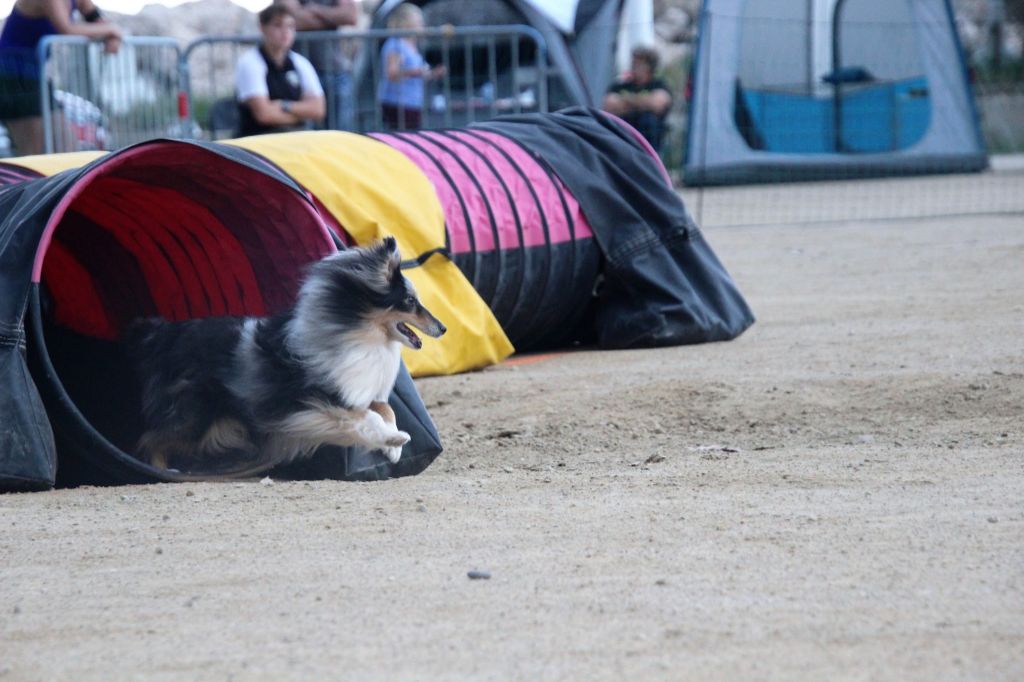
(30, 21)
(403, 72)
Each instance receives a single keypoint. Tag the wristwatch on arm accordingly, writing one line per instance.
(286, 106)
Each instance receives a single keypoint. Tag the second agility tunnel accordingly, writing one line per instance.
(565, 224)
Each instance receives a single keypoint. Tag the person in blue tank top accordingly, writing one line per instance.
(30, 21)
(403, 72)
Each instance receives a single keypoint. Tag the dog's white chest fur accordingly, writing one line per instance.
(360, 364)
(365, 372)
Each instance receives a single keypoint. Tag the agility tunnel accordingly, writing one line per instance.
(543, 229)
(174, 229)
(642, 274)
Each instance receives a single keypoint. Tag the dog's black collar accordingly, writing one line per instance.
(425, 256)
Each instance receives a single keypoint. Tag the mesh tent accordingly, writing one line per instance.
(814, 89)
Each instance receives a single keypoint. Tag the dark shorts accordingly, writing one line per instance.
(19, 85)
(399, 119)
(19, 98)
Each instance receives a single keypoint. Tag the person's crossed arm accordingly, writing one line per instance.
(314, 17)
(623, 103)
(280, 112)
(251, 86)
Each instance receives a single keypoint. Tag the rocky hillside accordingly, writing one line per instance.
(189, 21)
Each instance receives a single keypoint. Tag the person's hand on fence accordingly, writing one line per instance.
(436, 72)
(112, 43)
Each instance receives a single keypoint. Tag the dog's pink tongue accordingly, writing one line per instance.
(411, 335)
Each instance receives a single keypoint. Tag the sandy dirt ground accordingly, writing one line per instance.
(837, 494)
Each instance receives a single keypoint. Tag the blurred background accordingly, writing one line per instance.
(837, 119)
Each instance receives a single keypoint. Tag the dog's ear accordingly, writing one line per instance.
(394, 258)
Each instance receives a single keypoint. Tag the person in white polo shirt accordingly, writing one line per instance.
(277, 89)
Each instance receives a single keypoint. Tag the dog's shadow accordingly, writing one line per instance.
(99, 379)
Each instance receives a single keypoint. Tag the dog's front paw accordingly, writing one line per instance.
(393, 454)
(397, 440)
(393, 445)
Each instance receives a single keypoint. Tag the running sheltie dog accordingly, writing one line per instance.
(253, 392)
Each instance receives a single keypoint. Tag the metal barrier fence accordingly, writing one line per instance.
(94, 100)
(152, 88)
(489, 71)
(1001, 107)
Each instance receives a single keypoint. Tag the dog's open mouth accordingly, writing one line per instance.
(412, 340)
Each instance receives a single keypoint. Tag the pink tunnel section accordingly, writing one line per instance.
(494, 193)
(174, 230)
(11, 174)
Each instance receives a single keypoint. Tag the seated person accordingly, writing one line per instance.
(639, 98)
(277, 89)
